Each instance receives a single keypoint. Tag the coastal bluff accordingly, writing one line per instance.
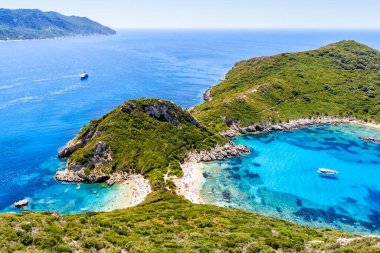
(150, 137)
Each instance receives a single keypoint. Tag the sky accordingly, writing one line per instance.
(219, 14)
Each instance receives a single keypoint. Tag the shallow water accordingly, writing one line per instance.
(280, 177)
(43, 104)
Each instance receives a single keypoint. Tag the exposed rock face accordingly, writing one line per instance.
(100, 148)
(102, 154)
(207, 95)
(218, 153)
(75, 172)
(68, 176)
(91, 178)
(74, 145)
(70, 148)
(293, 124)
(163, 112)
(78, 177)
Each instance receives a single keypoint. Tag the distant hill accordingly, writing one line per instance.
(35, 24)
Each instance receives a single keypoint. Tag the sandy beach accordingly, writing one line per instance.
(131, 192)
(191, 183)
(139, 188)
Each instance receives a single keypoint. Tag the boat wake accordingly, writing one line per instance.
(20, 101)
(66, 89)
(10, 86)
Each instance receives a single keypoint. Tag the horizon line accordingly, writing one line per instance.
(250, 29)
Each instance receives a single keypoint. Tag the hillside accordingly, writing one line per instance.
(148, 136)
(34, 24)
(166, 223)
(341, 79)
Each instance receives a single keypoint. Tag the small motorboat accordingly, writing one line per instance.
(327, 172)
(83, 76)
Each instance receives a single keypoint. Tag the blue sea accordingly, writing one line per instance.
(280, 177)
(43, 104)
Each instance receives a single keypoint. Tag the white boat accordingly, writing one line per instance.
(327, 172)
(21, 203)
(83, 76)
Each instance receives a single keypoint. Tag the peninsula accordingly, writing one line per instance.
(338, 83)
(24, 24)
(157, 141)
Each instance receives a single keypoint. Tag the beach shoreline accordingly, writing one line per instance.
(235, 129)
(139, 188)
(190, 185)
(367, 124)
(131, 191)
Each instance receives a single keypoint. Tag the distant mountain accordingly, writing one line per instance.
(35, 24)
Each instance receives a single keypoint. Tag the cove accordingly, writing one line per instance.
(279, 178)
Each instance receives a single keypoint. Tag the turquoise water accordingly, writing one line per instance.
(43, 104)
(280, 177)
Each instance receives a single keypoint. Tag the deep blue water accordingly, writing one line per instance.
(280, 177)
(43, 104)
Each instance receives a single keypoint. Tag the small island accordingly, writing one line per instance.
(24, 24)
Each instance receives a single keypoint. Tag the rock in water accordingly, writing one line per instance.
(22, 203)
(373, 140)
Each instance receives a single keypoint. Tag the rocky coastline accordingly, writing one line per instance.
(218, 153)
(139, 187)
(71, 176)
(235, 129)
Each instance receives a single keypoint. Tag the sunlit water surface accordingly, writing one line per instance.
(280, 178)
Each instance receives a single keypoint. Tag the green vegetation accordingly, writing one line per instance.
(147, 136)
(35, 24)
(167, 223)
(340, 79)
